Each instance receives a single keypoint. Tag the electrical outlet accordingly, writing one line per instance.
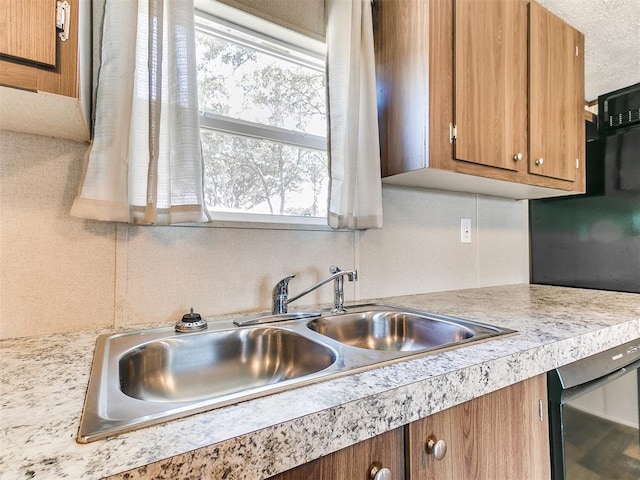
(465, 230)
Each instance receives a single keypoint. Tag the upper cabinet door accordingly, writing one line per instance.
(28, 30)
(556, 94)
(491, 82)
(401, 35)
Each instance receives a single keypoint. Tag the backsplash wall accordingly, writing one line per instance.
(63, 274)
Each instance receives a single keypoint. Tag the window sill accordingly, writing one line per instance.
(265, 222)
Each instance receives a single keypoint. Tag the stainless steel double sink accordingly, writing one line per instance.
(147, 377)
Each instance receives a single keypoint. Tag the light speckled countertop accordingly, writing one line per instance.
(43, 382)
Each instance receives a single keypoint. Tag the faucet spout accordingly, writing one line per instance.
(338, 287)
(281, 291)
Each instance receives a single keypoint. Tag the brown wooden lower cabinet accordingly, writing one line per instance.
(354, 462)
(497, 436)
(502, 435)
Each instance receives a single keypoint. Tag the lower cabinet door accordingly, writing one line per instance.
(357, 461)
(502, 435)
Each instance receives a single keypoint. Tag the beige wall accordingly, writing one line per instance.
(61, 274)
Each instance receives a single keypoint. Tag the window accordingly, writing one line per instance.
(263, 120)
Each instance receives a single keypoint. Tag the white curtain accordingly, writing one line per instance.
(355, 193)
(145, 162)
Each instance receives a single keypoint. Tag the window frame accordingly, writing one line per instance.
(234, 25)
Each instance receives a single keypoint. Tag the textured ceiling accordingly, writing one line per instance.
(612, 40)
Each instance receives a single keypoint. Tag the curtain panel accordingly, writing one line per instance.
(144, 164)
(355, 192)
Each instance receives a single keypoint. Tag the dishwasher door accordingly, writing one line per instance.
(594, 425)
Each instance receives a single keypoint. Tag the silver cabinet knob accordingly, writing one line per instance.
(540, 161)
(378, 472)
(437, 448)
(517, 157)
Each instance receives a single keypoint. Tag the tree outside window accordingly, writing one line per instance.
(261, 110)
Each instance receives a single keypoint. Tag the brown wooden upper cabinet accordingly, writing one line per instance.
(28, 30)
(490, 104)
(480, 96)
(32, 57)
(556, 92)
(45, 81)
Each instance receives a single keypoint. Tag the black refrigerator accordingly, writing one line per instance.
(593, 240)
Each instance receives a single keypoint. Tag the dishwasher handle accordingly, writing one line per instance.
(571, 393)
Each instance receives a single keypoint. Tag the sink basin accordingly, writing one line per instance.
(147, 377)
(391, 330)
(192, 368)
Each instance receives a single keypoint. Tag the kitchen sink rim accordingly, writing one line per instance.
(350, 360)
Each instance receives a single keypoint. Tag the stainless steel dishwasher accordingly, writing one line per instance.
(593, 416)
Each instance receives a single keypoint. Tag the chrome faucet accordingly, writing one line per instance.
(281, 290)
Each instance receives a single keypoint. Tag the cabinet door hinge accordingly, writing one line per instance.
(540, 411)
(63, 19)
(577, 163)
(577, 51)
(453, 132)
